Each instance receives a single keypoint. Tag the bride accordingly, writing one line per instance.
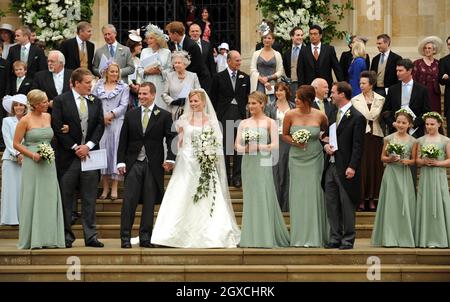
(187, 218)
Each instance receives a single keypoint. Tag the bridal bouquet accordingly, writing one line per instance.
(46, 152)
(301, 136)
(396, 149)
(430, 151)
(205, 146)
(250, 136)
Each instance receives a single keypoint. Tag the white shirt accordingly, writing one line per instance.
(58, 79)
(80, 43)
(180, 44)
(407, 89)
(343, 110)
(76, 96)
(318, 48)
(27, 46)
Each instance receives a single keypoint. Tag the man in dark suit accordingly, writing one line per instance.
(444, 79)
(208, 64)
(385, 64)
(79, 51)
(406, 94)
(229, 95)
(4, 76)
(20, 83)
(291, 58)
(317, 60)
(342, 176)
(180, 41)
(321, 101)
(83, 113)
(140, 158)
(25, 52)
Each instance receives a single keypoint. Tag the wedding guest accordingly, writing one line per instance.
(179, 83)
(444, 79)
(322, 101)
(347, 56)
(41, 212)
(16, 106)
(7, 37)
(221, 58)
(79, 51)
(190, 12)
(157, 72)
(426, 70)
(432, 223)
(4, 75)
(268, 25)
(266, 68)
(262, 221)
(291, 58)
(134, 43)
(309, 226)
(357, 66)
(277, 112)
(114, 95)
(21, 82)
(394, 221)
(206, 26)
(370, 104)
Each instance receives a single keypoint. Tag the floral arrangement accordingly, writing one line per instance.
(396, 149)
(301, 136)
(46, 152)
(205, 146)
(402, 110)
(287, 14)
(433, 114)
(53, 20)
(430, 151)
(249, 136)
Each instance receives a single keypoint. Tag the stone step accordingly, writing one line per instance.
(224, 273)
(234, 192)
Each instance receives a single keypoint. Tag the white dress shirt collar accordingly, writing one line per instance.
(345, 108)
(410, 83)
(149, 107)
(314, 46)
(230, 72)
(79, 41)
(27, 46)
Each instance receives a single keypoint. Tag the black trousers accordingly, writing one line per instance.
(230, 122)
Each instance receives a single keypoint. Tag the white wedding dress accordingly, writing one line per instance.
(183, 223)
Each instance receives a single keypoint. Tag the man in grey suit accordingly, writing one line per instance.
(113, 49)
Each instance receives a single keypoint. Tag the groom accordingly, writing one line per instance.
(140, 158)
(84, 114)
(341, 179)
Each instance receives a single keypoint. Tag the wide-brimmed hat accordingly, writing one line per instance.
(8, 101)
(6, 26)
(431, 39)
(224, 46)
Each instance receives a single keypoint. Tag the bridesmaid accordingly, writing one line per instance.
(432, 225)
(41, 214)
(309, 224)
(277, 111)
(394, 221)
(262, 222)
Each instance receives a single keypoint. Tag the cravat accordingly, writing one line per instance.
(316, 53)
(24, 54)
(406, 94)
(18, 83)
(382, 59)
(83, 47)
(111, 51)
(145, 119)
(295, 54)
(338, 117)
(233, 79)
(83, 108)
(321, 105)
(199, 42)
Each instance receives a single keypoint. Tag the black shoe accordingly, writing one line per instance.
(237, 183)
(68, 245)
(346, 247)
(146, 244)
(332, 245)
(126, 245)
(95, 243)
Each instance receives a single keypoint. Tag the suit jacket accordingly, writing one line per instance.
(287, 60)
(328, 106)
(373, 115)
(345, 62)
(208, 65)
(65, 112)
(308, 69)
(390, 74)
(444, 68)
(44, 81)
(350, 139)
(36, 59)
(4, 76)
(132, 138)
(222, 93)
(419, 104)
(25, 86)
(271, 109)
(71, 52)
(122, 56)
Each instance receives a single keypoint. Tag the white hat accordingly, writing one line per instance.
(8, 100)
(436, 41)
(135, 35)
(7, 26)
(224, 45)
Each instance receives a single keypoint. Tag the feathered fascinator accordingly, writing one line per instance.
(151, 28)
(264, 29)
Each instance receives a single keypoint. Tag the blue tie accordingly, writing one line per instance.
(111, 51)
(295, 54)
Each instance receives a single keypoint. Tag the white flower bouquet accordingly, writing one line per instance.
(430, 151)
(396, 149)
(301, 136)
(46, 152)
(205, 146)
(250, 136)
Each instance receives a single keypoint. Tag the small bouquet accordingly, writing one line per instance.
(430, 151)
(250, 136)
(301, 136)
(46, 152)
(396, 149)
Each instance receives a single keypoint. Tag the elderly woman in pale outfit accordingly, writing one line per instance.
(179, 83)
(16, 106)
(157, 71)
(370, 105)
(114, 94)
(266, 68)
(426, 70)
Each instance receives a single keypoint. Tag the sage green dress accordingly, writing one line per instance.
(432, 226)
(394, 221)
(41, 213)
(309, 224)
(262, 221)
